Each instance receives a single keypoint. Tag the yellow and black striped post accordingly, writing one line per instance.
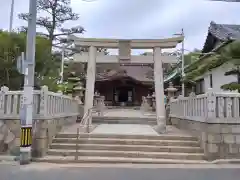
(26, 136)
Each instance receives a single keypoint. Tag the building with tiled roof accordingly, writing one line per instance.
(218, 37)
(124, 84)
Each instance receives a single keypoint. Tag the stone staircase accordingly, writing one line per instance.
(124, 120)
(110, 148)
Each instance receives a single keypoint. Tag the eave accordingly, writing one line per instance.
(123, 77)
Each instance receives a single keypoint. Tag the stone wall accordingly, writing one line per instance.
(51, 111)
(214, 118)
(9, 136)
(44, 131)
(219, 140)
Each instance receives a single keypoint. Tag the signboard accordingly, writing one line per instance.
(20, 64)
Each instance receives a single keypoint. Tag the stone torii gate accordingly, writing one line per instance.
(125, 57)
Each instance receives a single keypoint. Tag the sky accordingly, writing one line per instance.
(140, 19)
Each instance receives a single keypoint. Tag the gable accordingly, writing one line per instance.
(219, 34)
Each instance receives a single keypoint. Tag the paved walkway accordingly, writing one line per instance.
(135, 129)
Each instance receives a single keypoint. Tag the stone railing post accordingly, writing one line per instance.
(4, 90)
(180, 107)
(43, 101)
(191, 100)
(211, 105)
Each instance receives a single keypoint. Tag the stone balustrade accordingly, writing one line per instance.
(214, 118)
(210, 107)
(46, 104)
(51, 111)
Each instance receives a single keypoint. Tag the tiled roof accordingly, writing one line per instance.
(221, 32)
(139, 73)
(225, 32)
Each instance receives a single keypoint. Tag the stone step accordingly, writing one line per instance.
(114, 160)
(142, 148)
(130, 136)
(127, 141)
(124, 120)
(127, 154)
(143, 118)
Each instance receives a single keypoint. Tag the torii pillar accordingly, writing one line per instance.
(159, 90)
(90, 81)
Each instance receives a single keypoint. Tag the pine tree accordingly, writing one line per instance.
(232, 54)
(56, 13)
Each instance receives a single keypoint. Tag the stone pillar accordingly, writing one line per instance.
(43, 101)
(95, 99)
(3, 91)
(159, 90)
(91, 73)
(153, 101)
(100, 105)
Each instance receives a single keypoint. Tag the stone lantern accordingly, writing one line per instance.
(146, 104)
(78, 92)
(77, 88)
(72, 81)
(171, 90)
(149, 100)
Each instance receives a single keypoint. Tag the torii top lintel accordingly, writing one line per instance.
(134, 43)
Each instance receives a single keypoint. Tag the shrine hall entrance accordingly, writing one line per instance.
(123, 96)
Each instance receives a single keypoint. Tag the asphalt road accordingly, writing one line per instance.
(53, 172)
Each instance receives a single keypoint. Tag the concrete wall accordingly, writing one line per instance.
(219, 141)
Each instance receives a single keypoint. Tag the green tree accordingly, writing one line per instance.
(11, 46)
(232, 55)
(54, 14)
(227, 54)
(191, 57)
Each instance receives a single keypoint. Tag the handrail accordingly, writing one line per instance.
(86, 118)
(83, 122)
(77, 144)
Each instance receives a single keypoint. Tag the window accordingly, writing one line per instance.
(200, 86)
(211, 81)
